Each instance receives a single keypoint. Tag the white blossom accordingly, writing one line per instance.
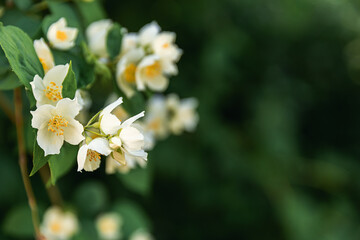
(150, 73)
(109, 226)
(61, 36)
(56, 124)
(49, 89)
(58, 225)
(96, 34)
(89, 155)
(156, 119)
(44, 54)
(148, 33)
(182, 114)
(126, 69)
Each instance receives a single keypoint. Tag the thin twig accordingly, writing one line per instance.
(23, 162)
(53, 192)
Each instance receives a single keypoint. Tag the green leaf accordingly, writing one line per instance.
(134, 217)
(137, 180)
(9, 81)
(61, 163)
(90, 11)
(19, 51)
(18, 222)
(61, 9)
(39, 159)
(113, 40)
(69, 84)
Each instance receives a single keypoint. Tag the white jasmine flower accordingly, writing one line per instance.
(59, 225)
(49, 89)
(150, 73)
(141, 235)
(126, 141)
(126, 69)
(148, 33)
(61, 36)
(182, 114)
(89, 155)
(149, 138)
(156, 119)
(109, 226)
(56, 125)
(44, 54)
(96, 34)
(169, 53)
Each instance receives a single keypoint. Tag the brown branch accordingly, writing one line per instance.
(23, 162)
(52, 191)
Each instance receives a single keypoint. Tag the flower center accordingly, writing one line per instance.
(61, 35)
(43, 63)
(53, 92)
(55, 227)
(57, 124)
(108, 226)
(166, 45)
(153, 70)
(93, 155)
(129, 73)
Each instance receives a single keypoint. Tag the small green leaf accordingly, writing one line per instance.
(39, 159)
(61, 163)
(69, 84)
(9, 81)
(18, 222)
(137, 180)
(19, 51)
(113, 41)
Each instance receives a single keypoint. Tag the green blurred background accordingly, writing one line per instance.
(276, 153)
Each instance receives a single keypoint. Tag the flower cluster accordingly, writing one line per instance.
(109, 136)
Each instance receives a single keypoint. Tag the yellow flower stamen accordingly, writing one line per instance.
(129, 73)
(55, 227)
(61, 35)
(166, 45)
(93, 155)
(53, 92)
(57, 124)
(153, 70)
(43, 63)
(155, 125)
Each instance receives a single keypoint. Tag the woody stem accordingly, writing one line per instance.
(23, 162)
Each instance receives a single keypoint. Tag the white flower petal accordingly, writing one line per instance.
(56, 75)
(38, 87)
(100, 145)
(132, 138)
(109, 124)
(41, 115)
(73, 132)
(159, 83)
(49, 141)
(81, 157)
(112, 106)
(129, 121)
(148, 33)
(68, 108)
